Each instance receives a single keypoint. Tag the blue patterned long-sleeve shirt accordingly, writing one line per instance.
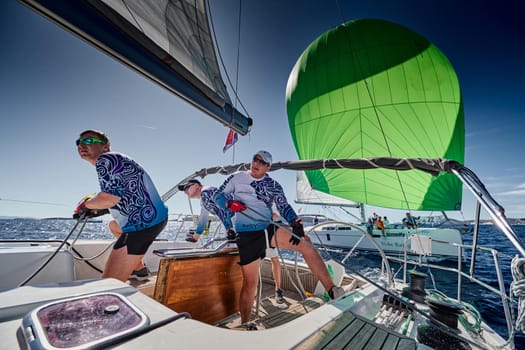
(140, 204)
(258, 195)
(213, 201)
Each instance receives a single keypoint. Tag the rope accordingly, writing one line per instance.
(471, 326)
(469, 309)
(517, 288)
(83, 218)
(77, 256)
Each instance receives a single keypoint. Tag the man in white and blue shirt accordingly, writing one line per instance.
(253, 193)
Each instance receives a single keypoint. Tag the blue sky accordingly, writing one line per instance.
(54, 85)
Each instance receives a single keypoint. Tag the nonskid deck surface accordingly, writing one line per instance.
(269, 313)
(347, 331)
(353, 332)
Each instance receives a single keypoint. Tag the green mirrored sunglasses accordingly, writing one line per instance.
(89, 141)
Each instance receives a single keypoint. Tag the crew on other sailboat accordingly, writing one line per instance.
(254, 192)
(131, 197)
(374, 218)
(380, 225)
(410, 221)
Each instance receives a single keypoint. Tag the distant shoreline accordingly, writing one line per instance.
(512, 221)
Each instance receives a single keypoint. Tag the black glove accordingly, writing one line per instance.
(190, 236)
(231, 235)
(90, 213)
(235, 206)
(83, 212)
(298, 231)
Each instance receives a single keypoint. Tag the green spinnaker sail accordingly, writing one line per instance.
(372, 88)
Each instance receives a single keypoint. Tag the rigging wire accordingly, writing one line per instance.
(238, 53)
(340, 10)
(359, 67)
(237, 69)
(212, 28)
(32, 202)
(82, 219)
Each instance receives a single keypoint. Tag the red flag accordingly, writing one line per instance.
(230, 140)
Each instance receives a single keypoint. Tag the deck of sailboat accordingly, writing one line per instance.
(347, 331)
(205, 279)
(267, 314)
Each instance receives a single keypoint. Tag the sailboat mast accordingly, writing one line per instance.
(363, 213)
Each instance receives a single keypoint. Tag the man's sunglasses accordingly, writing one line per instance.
(89, 141)
(259, 160)
(187, 187)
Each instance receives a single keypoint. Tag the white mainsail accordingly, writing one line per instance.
(168, 41)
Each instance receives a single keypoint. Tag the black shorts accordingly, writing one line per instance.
(138, 242)
(252, 244)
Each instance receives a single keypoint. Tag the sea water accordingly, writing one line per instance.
(488, 304)
(35, 229)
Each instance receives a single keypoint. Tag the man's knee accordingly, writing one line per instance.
(248, 289)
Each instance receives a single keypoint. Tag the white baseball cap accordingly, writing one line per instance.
(265, 155)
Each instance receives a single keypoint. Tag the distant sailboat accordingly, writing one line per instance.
(444, 221)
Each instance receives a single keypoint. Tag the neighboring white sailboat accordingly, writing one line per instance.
(444, 221)
(442, 243)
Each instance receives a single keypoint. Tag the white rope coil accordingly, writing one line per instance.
(517, 289)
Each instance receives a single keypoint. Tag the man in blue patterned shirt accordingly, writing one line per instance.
(211, 201)
(131, 197)
(253, 192)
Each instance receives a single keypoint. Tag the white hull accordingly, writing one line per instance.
(444, 242)
(26, 258)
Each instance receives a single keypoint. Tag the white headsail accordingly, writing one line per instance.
(308, 195)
